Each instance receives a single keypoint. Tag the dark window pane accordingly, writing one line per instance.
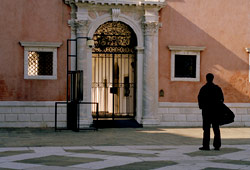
(185, 66)
(45, 63)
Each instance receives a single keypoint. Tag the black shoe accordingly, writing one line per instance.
(204, 149)
(216, 149)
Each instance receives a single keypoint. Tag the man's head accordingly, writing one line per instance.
(210, 77)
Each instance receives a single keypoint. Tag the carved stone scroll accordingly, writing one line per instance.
(115, 14)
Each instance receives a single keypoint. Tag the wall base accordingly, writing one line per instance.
(189, 114)
(31, 114)
(42, 114)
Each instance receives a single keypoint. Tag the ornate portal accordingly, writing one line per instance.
(113, 70)
(123, 65)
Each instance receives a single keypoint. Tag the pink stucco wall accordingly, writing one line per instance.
(38, 21)
(222, 26)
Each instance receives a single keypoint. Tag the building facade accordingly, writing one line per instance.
(148, 61)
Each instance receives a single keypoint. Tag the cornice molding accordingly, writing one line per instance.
(186, 48)
(40, 44)
(159, 3)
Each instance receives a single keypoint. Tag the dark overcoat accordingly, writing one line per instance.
(210, 98)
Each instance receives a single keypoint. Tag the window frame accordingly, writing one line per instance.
(185, 50)
(248, 51)
(41, 47)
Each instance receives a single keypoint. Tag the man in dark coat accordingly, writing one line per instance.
(209, 98)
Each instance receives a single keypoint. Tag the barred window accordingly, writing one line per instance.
(40, 60)
(40, 63)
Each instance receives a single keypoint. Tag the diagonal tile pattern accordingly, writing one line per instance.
(126, 158)
(122, 149)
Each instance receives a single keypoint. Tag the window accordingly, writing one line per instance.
(40, 63)
(185, 63)
(185, 66)
(40, 60)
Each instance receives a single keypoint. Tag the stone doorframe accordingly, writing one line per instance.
(143, 17)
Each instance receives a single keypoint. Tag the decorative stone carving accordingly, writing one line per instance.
(115, 14)
(93, 15)
(150, 28)
(71, 23)
(82, 26)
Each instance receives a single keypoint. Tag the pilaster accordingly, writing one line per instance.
(150, 67)
(84, 63)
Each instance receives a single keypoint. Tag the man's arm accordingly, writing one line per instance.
(222, 96)
(200, 98)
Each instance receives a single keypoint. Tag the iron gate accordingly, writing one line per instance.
(114, 71)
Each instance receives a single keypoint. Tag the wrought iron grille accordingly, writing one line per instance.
(114, 70)
(40, 63)
(114, 37)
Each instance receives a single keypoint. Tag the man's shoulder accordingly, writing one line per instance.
(217, 86)
(210, 87)
(203, 87)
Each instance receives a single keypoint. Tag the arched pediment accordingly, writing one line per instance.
(123, 18)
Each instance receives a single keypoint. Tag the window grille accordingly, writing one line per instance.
(40, 63)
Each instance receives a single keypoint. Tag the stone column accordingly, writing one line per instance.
(150, 74)
(84, 63)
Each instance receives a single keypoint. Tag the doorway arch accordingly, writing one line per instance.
(114, 71)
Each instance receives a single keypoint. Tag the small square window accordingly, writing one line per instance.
(185, 66)
(40, 60)
(185, 63)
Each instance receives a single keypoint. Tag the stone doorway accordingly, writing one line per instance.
(114, 71)
(142, 17)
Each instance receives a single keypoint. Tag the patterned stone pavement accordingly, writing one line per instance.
(123, 149)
